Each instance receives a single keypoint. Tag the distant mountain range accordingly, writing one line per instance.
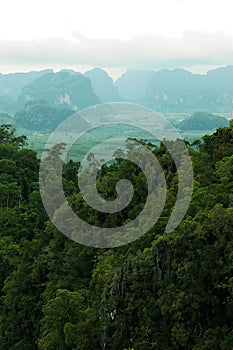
(166, 91)
(180, 90)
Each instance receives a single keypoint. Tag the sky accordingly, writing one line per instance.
(115, 35)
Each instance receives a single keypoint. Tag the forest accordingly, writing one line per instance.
(164, 291)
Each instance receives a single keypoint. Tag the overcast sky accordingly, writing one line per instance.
(146, 34)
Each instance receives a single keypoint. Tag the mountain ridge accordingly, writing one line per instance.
(166, 90)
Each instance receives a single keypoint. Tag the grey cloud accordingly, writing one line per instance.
(149, 51)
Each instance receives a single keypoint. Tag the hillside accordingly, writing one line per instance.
(40, 116)
(161, 292)
(202, 121)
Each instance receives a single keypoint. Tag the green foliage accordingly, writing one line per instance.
(39, 115)
(164, 291)
(7, 135)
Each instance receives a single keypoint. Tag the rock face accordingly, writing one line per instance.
(61, 89)
(103, 85)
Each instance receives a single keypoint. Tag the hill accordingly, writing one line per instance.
(40, 116)
(202, 121)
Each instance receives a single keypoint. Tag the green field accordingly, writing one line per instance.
(37, 140)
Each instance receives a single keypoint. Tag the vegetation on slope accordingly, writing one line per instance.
(202, 121)
(163, 291)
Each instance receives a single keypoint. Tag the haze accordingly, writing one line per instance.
(151, 34)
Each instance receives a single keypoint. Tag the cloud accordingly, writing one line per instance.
(145, 52)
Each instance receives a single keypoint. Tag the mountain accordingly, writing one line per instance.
(73, 91)
(202, 121)
(132, 85)
(103, 85)
(167, 90)
(180, 90)
(6, 104)
(12, 84)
